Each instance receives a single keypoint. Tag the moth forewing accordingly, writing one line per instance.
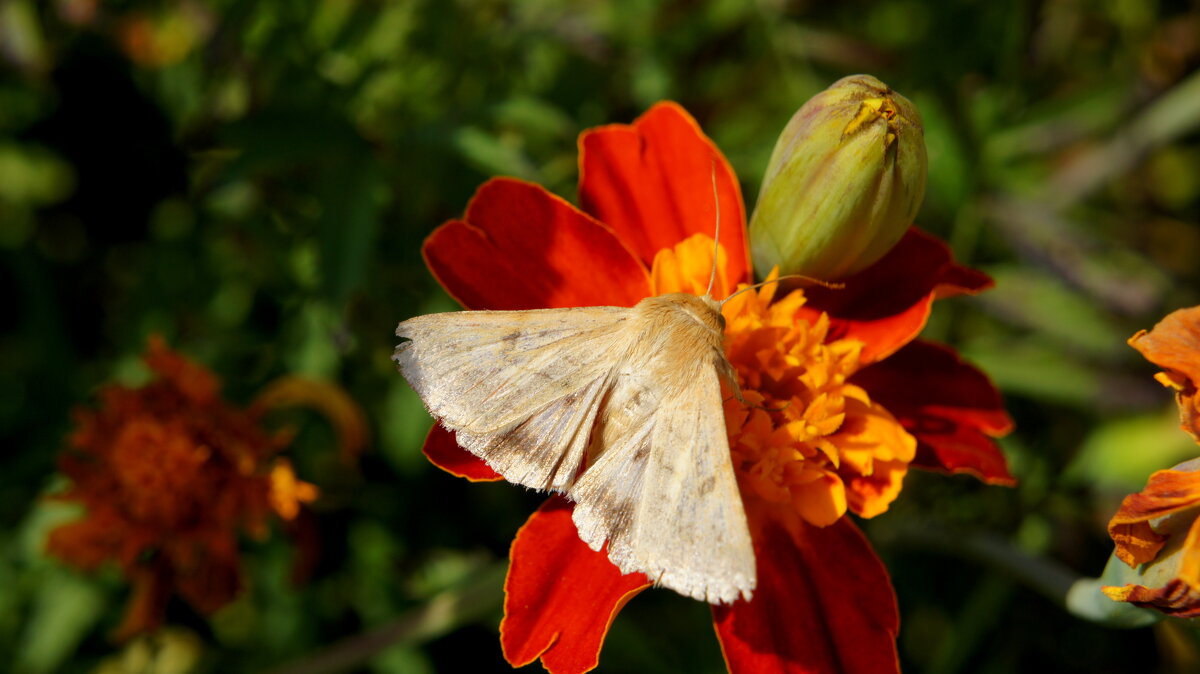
(520, 388)
(482, 371)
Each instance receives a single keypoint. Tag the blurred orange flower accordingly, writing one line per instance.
(170, 474)
(165, 37)
(1158, 527)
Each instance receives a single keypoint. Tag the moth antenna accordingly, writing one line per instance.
(712, 276)
(756, 286)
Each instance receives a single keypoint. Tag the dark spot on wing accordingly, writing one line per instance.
(616, 512)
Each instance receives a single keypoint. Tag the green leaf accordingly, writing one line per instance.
(1047, 306)
(1085, 600)
(492, 154)
(66, 607)
(1121, 453)
(352, 195)
(1034, 368)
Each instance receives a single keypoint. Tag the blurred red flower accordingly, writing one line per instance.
(863, 398)
(169, 475)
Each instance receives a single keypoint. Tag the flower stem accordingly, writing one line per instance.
(477, 598)
(1047, 577)
(1078, 595)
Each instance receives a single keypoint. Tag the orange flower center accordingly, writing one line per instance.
(810, 440)
(159, 469)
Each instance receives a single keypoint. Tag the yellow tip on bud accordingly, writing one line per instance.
(845, 181)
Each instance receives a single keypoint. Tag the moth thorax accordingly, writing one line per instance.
(684, 307)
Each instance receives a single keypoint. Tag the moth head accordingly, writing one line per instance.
(715, 307)
(687, 307)
(712, 310)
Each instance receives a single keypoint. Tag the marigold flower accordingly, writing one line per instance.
(1158, 528)
(841, 413)
(170, 475)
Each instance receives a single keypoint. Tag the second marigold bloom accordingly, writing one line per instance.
(170, 475)
(844, 398)
(1157, 530)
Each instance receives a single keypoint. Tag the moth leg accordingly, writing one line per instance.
(729, 376)
(758, 407)
(771, 409)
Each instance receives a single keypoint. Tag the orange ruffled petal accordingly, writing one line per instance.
(1154, 518)
(1132, 528)
(1179, 595)
(1174, 345)
(687, 268)
(1175, 598)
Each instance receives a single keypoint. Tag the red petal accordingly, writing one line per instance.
(651, 181)
(560, 595)
(824, 603)
(887, 304)
(520, 247)
(951, 407)
(443, 451)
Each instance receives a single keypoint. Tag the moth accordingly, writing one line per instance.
(630, 395)
(618, 408)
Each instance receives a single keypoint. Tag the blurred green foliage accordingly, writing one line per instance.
(253, 180)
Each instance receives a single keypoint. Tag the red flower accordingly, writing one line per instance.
(864, 399)
(170, 475)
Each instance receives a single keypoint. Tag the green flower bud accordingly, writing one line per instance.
(845, 181)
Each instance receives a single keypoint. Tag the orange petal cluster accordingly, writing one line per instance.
(170, 475)
(1158, 527)
(1174, 345)
(810, 440)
